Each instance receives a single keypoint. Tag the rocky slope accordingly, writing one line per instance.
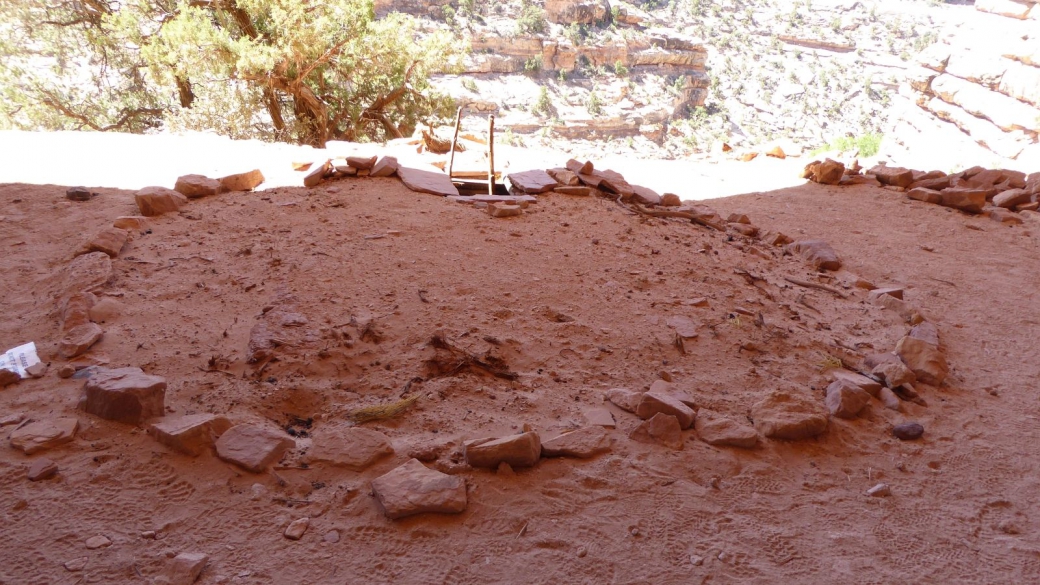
(671, 79)
(989, 90)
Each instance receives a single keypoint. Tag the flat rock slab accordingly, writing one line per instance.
(789, 415)
(152, 201)
(109, 241)
(43, 435)
(645, 195)
(355, 448)
(87, 272)
(661, 429)
(42, 469)
(253, 448)
(723, 431)
(624, 398)
(362, 162)
(521, 450)
(968, 200)
(246, 181)
(925, 194)
(534, 181)
(430, 182)
(600, 417)
(895, 176)
(817, 253)
(195, 186)
(414, 489)
(386, 167)
(137, 223)
(866, 384)
(583, 443)
(79, 339)
(191, 434)
(507, 199)
(126, 395)
(655, 402)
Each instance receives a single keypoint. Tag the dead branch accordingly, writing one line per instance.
(816, 285)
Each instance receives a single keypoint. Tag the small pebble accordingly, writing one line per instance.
(149, 534)
(696, 561)
(297, 528)
(99, 541)
(331, 536)
(582, 551)
(66, 371)
(908, 431)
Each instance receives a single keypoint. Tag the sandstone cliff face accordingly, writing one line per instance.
(988, 87)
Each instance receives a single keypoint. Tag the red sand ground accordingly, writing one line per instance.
(963, 497)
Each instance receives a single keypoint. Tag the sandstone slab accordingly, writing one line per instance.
(42, 469)
(866, 384)
(195, 186)
(624, 398)
(926, 195)
(785, 414)
(583, 443)
(499, 210)
(661, 429)
(894, 374)
(412, 489)
(645, 195)
(1012, 198)
(136, 223)
(191, 434)
(386, 167)
(252, 448)
(184, 569)
(895, 176)
(926, 361)
(43, 435)
(152, 201)
(108, 241)
(969, 200)
(427, 181)
(818, 253)
(574, 191)
(355, 448)
(362, 162)
(655, 402)
(521, 450)
(723, 431)
(126, 395)
(246, 181)
(87, 272)
(564, 177)
(79, 339)
(534, 181)
(845, 399)
(600, 417)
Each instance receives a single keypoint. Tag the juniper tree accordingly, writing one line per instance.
(297, 70)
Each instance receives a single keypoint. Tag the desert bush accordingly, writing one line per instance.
(269, 69)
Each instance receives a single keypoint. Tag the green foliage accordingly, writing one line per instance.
(619, 69)
(543, 105)
(594, 105)
(468, 83)
(533, 65)
(531, 20)
(867, 145)
(272, 69)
